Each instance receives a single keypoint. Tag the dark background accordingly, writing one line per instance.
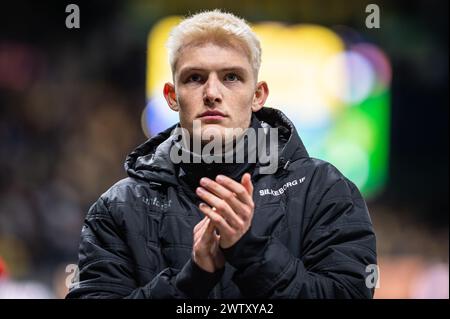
(71, 102)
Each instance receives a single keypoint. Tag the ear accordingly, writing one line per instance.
(171, 96)
(260, 97)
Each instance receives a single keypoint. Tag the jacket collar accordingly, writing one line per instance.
(151, 162)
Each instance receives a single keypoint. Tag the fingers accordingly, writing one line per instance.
(233, 207)
(243, 194)
(200, 229)
(246, 181)
(221, 192)
(221, 205)
(209, 234)
(218, 221)
(199, 224)
(205, 232)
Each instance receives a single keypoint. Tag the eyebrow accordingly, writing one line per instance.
(238, 69)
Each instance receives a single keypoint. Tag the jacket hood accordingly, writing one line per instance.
(150, 161)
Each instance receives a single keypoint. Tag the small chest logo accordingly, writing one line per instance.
(158, 203)
(281, 190)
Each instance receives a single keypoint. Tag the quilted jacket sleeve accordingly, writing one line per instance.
(106, 268)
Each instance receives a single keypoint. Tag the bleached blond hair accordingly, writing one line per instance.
(214, 26)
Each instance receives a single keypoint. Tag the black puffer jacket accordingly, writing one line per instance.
(312, 239)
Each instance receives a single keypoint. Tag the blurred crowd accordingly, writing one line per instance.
(63, 143)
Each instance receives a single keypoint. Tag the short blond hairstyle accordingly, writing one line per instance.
(216, 26)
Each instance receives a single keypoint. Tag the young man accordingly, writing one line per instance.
(193, 229)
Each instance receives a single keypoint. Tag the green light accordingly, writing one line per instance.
(358, 143)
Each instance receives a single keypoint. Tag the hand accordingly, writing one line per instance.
(205, 252)
(232, 203)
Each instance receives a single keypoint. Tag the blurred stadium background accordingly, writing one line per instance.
(74, 102)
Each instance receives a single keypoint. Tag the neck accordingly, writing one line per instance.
(225, 161)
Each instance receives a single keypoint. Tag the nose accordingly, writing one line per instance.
(212, 94)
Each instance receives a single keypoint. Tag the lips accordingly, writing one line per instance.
(212, 116)
(215, 114)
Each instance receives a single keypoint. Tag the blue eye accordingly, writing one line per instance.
(194, 78)
(231, 77)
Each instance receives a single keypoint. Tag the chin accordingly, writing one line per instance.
(210, 130)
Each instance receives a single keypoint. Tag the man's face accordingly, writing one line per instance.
(215, 85)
